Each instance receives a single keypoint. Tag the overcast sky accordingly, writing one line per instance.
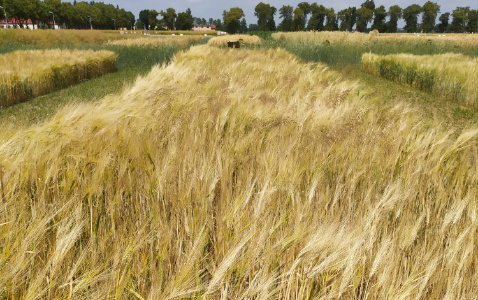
(214, 8)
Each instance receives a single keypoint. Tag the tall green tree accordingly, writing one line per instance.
(286, 13)
(369, 4)
(263, 12)
(169, 17)
(460, 15)
(53, 6)
(364, 16)
(410, 15)
(81, 12)
(185, 20)
(298, 19)
(131, 19)
(232, 18)
(243, 26)
(430, 11)
(144, 18)
(331, 24)
(394, 14)
(319, 13)
(444, 22)
(472, 24)
(379, 16)
(105, 13)
(271, 22)
(66, 15)
(347, 18)
(305, 7)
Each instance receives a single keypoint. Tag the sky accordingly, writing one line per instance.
(214, 8)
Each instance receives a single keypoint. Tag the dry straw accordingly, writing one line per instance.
(239, 175)
(30, 73)
(451, 75)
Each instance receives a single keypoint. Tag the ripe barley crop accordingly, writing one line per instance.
(156, 41)
(243, 38)
(239, 174)
(31, 73)
(47, 38)
(451, 75)
(345, 48)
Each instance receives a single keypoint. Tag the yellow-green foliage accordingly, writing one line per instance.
(244, 39)
(239, 175)
(451, 75)
(157, 41)
(31, 73)
(43, 38)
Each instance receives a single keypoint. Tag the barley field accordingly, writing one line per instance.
(244, 39)
(236, 175)
(183, 32)
(346, 48)
(30, 73)
(156, 41)
(46, 38)
(449, 75)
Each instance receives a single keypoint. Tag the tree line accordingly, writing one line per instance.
(232, 20)
(304, 16)
(317, 17)
(75, 15)
(313, 16)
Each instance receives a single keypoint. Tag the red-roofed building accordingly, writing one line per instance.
(204, 28)
(28, 24)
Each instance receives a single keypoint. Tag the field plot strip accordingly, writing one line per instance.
(450, 75)
(156, 41)
(30, 73)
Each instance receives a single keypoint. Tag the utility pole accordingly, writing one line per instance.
(53, 19)
(5, 13)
